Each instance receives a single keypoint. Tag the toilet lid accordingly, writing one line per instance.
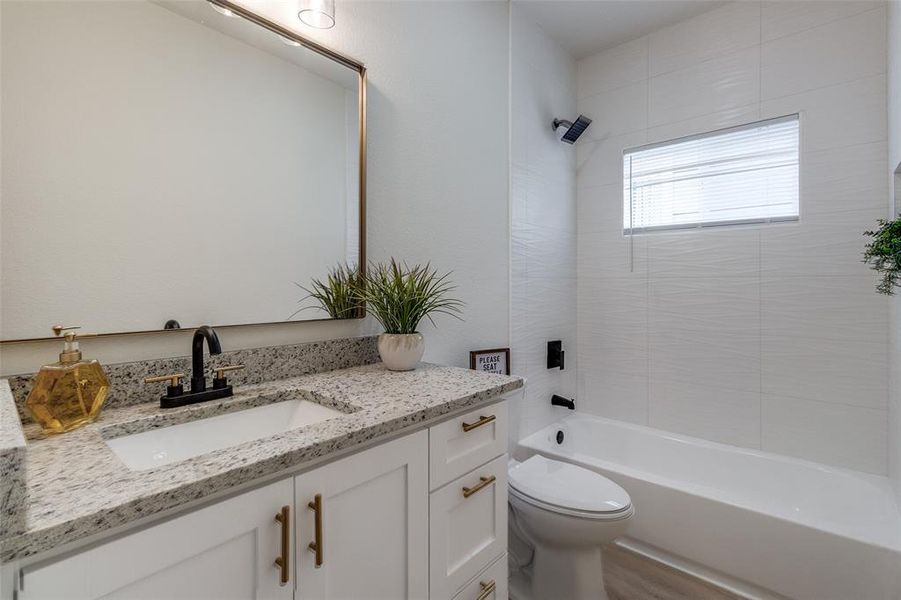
(567, 486)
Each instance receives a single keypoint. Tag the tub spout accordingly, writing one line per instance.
(561, 401)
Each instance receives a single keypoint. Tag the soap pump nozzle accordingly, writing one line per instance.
(70, 353)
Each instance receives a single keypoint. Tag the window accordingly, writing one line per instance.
(746, 174)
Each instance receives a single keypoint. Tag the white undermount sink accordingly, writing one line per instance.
(148, 449)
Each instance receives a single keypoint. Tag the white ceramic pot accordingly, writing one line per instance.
(401, 351)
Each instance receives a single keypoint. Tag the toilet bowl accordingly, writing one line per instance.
(565, 513)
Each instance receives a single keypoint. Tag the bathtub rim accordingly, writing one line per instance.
(710, 493)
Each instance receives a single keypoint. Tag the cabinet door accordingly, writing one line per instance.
(224, 551)
(373, 524)
(468, 527)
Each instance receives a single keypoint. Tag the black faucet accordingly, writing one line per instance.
(175, 394)
(564, 402)
(198, 380)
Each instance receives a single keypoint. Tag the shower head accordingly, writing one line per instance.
(572, 130)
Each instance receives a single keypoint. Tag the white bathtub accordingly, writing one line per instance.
(798, 528)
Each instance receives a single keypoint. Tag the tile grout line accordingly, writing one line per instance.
(647, 258)
(760, 249)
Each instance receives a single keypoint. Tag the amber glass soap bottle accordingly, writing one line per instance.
(69, 393)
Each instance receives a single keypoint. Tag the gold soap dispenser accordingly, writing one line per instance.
(69, 393)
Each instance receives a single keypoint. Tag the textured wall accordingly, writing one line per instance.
(894, 147)
(767, 337)
(438, 173)
(543, 220)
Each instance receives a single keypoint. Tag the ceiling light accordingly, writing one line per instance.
(317, 13)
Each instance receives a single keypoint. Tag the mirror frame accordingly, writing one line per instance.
(249, 15)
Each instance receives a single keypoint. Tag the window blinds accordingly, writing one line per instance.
(746, 174)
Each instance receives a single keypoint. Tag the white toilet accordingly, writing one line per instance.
(565, 513)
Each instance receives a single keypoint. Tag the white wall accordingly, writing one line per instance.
(437, 173)
(543, 220)
(768, 337)
(894, 163)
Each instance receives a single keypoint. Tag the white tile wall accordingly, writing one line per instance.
(607, 71)
(852, 47)
(782, 18)
(894, 120)
(710, 35)
(705, 331)
(721, 415)
(847, 436)
(726, 82)
(826, 119)
(768, 337)
(618, 111)
(543, 221)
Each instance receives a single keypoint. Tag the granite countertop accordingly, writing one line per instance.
(74, 486)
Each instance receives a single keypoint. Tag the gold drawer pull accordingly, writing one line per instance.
(479, 423)
(316, 547)
(483, 483)
(283, 562)
(487, 589)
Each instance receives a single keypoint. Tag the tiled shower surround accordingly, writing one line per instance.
(543, 221)
(768, 337)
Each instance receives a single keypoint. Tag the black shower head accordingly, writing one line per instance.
(574, 130)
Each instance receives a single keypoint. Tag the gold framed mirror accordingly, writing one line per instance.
(165, 162)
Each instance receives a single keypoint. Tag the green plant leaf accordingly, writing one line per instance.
(337, 295)
(399, 297)
(883, 254)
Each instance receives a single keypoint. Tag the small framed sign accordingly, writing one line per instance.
(496, 360)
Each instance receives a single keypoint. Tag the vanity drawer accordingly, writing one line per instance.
(490, 584)
(467, 527)
(459, 445)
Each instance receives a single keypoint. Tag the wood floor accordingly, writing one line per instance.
(630, 576)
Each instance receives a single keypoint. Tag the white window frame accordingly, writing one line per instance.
(629, 229)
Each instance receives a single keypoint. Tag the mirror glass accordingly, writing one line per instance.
(163, 161)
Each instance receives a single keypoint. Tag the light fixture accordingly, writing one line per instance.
(222, 10)
(317, 13)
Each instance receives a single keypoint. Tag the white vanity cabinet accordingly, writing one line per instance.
(468, 504)
(421, 516)
(368, 515)
(226, 550)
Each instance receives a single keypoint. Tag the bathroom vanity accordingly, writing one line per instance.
(397, 490)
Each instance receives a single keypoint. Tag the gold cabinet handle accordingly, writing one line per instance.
(479, 423)
(316, 547)
(283, 562)
(481, 485)
(488, 588)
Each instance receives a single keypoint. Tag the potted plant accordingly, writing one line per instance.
(884, 255)
(399, 297)
(338, 294)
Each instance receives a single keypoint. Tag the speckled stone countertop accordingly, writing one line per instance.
(75, 486)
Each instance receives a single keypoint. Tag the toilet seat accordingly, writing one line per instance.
(568, 489)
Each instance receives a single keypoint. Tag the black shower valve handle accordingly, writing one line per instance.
(555, 355)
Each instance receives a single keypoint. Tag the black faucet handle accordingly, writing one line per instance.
(219, 381)
(555, 355)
